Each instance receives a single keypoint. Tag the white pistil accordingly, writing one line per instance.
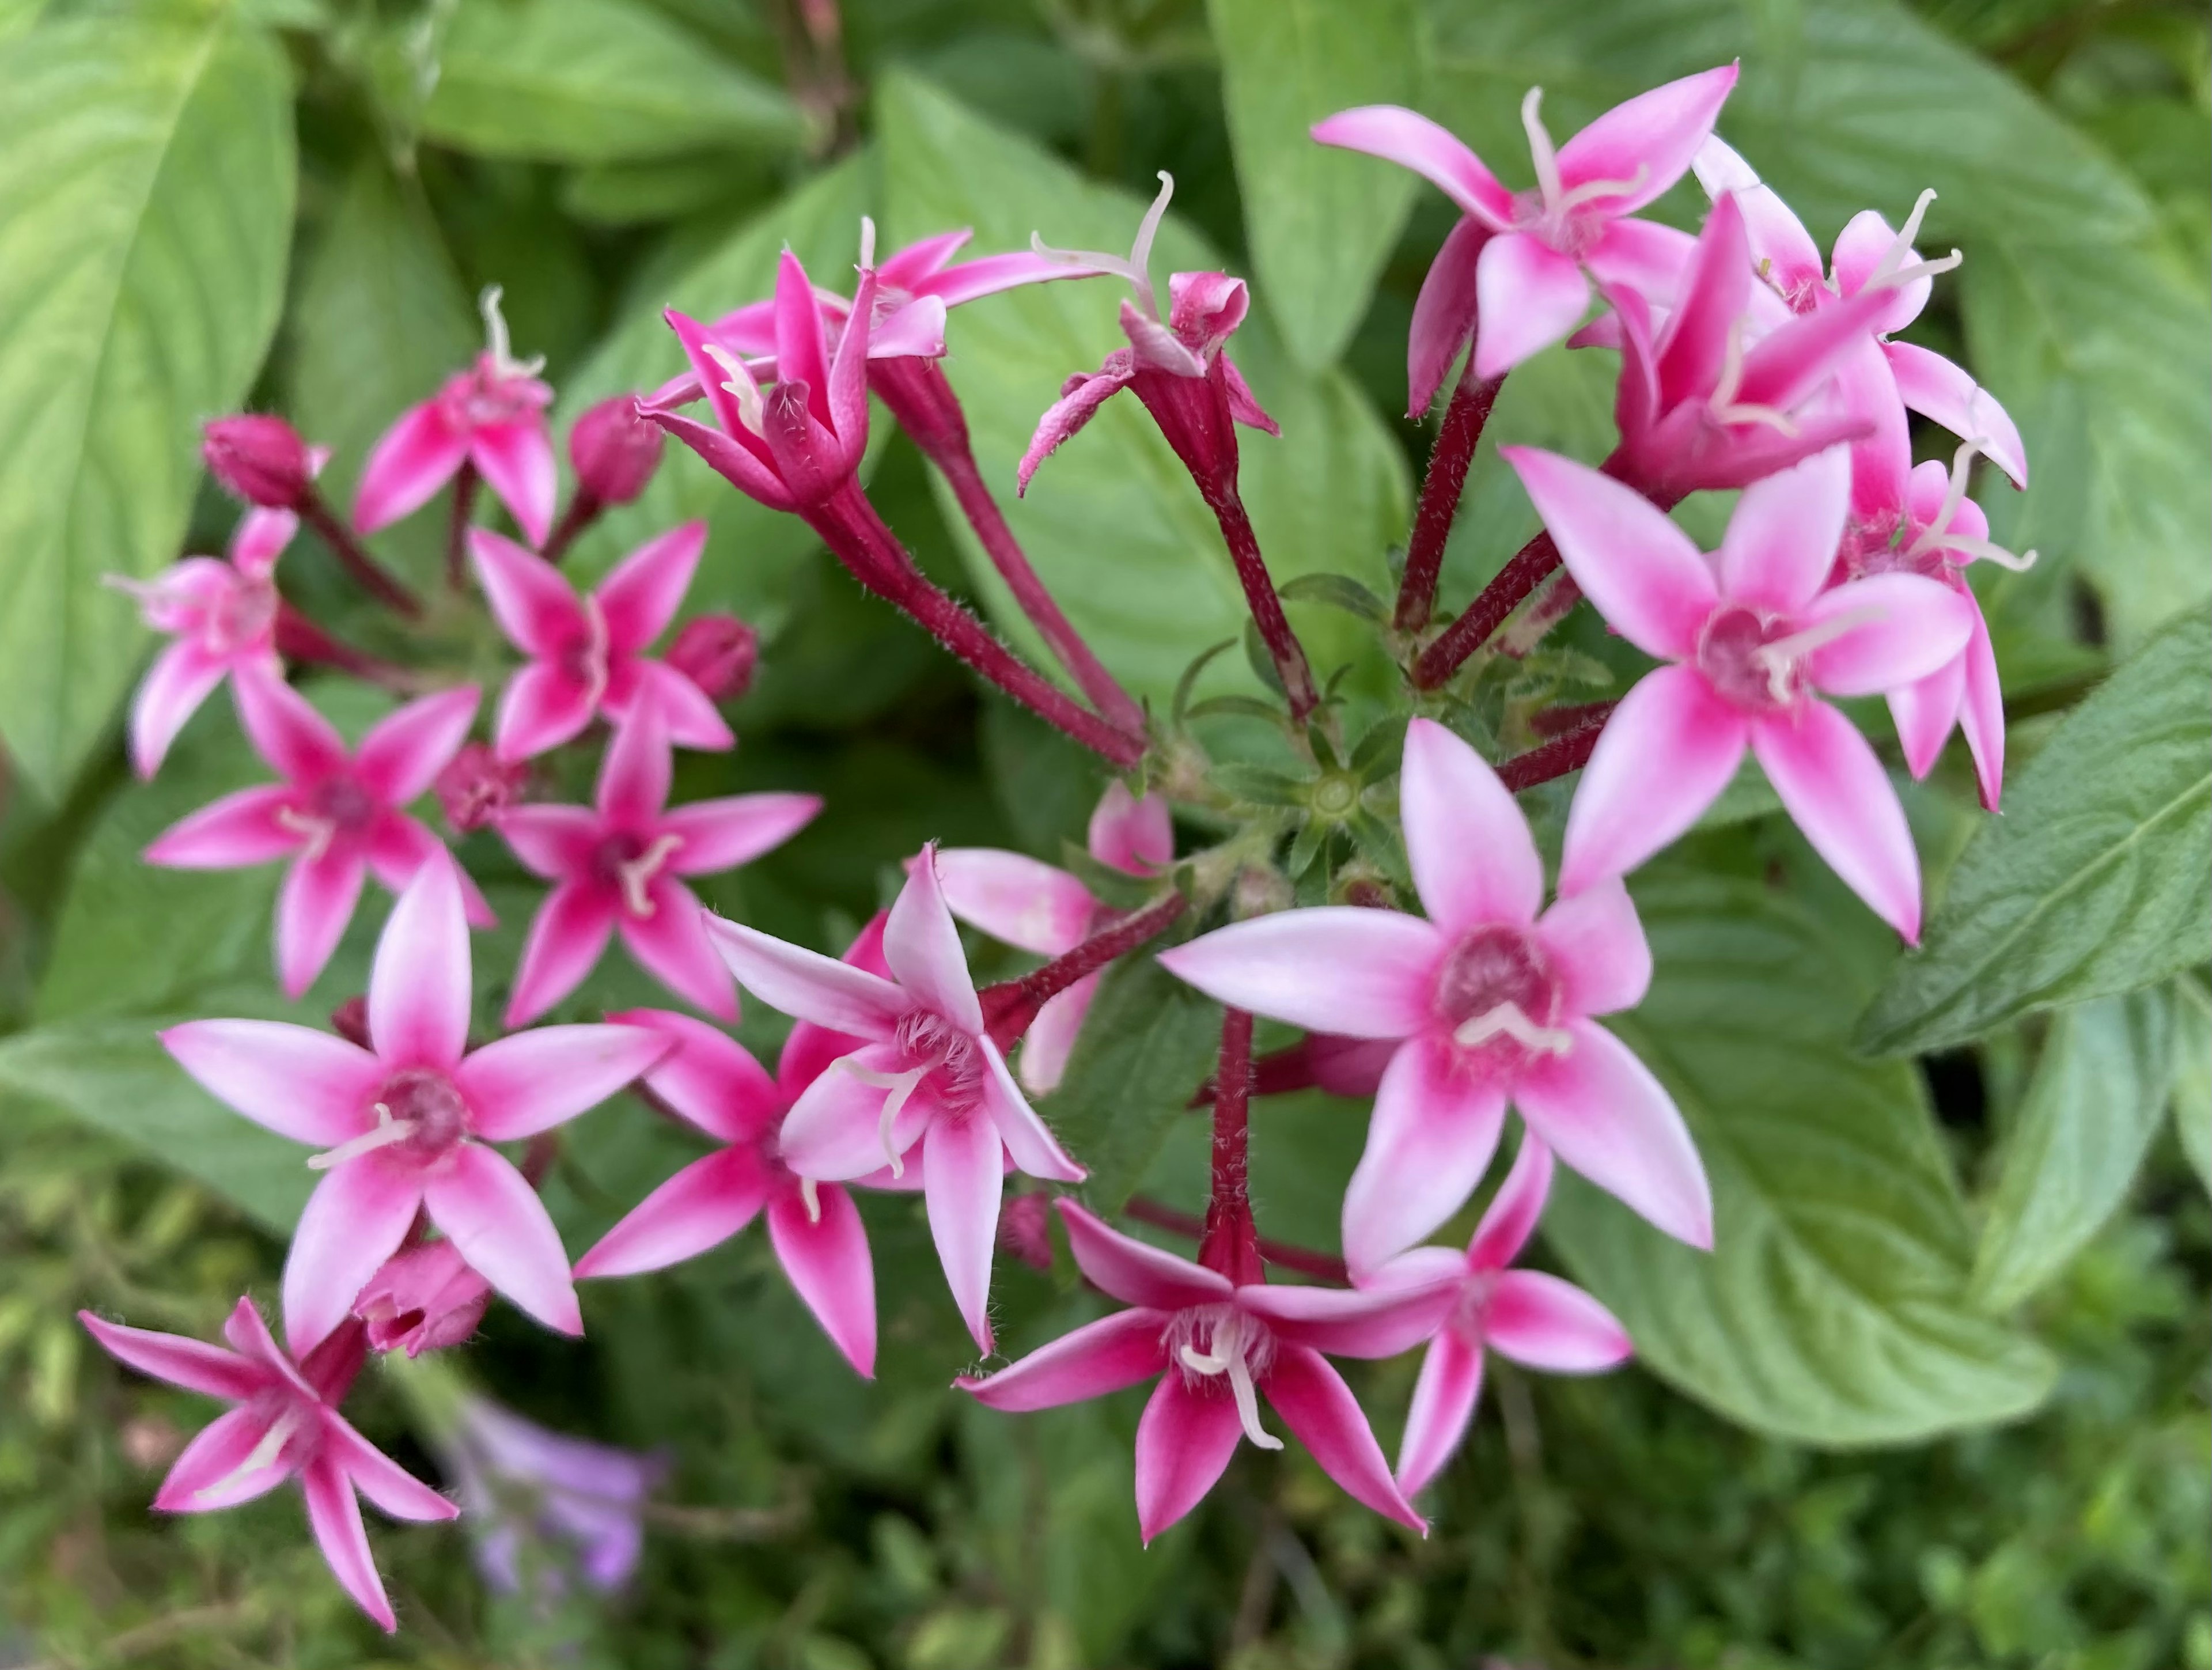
(1897, 267)
(387, 1130)
(1508, 1020)
(596, 646)
(1541, 152)
(901, 1085)
(811, 1193)
(1779, 657)
(500, 350)
(1591, 190)
(636, 875)
(263, 1455)
(1724, 405)
(741, 385)
(1136, 269)
(1935, 536)
(867, 243)
(1227, 1357)
(317, 832)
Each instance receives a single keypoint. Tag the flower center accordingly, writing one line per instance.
(1552, 214)
(1212, 1344)
(1759, 665)
(336, 806)
(629, 863)
(935, 1053)
(1497, 992)
(418, 1111)
(290, 1441)
(239, 614)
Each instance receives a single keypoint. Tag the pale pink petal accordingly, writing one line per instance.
(259, 540)
(1545, 1323)
(1350, 1067)
(567, 937)
(249, 1336)
(1051, 1037)
(911, 267)
(639, 598)
(1881, 456)
(1415, 142)
(1135, 833)
(314, 906)
(826, 1258)
(807, 985)
(552, 841)
(1511, 1217)
(1902, 627)
(1652, 585)
(1474, 862)
(1596, 947)
(334, 1517)
(1363, 974)
(1135, 1272)
(1091, 1361)
(504, 1234)
(834, 1130)
(917, 329)
(1184, 1440)
(1317, 1406)
(534, 605)
(1434, 1129)
(1788, 363)
(284, 728)
(1600, 1110)
(701, 1206)
(709, 1078)
(543, 705)
(354, 1221)
(635, 775)
(671, 944)
(1444, 314)
(847, 406)
(516, 462)
(963, 1175)
(1011, 896)
(210, 1473)
(1939, 390)
(181, 677)
(688, 711)
(801, 353)
(393, 1489)
(1981, 713)
(1244, 406)
(1866, 239)
(404, 752)
(1642, 256)
(1650, 139)
(530, 1082)
(1372, 1323)
(1665, 755)
(721, 834)
(1527, 296)
(1076, 407)
(418, 987)
(1443, 1404)
(1780, 540)
(299, 1082)
(1706, 324)
(923, 946)
(1780, 245)
(1926, 710)
(1027, 1138)
(398, 846)
(413, 459)
(192, 1364)
(239, 829)
(1833, 785)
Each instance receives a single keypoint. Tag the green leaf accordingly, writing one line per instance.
(1146, 1045)
(1320, 222)
(1832, 1309)
(1113, 523)
(145, 214)
(592, 81)
(2192, 1074)
(2094, 882)
(2090, 1112)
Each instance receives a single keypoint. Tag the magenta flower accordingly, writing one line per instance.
(927, 1075)
(285, 1424)
(406, 1125)
(1538, 1321)
(1180, 368)
(223, 616)
(618, 864)
(476, 785)
(1219, 1346)
(614, 451)
(1492, 1003)
(1868, 256)
(262, 460)
(1042, 908)
(491, 416)
(1533, 249)
(1753, 643)
(336, 815)
(715, 1084)
(587, 654)
(717, 652)
(424, 1299)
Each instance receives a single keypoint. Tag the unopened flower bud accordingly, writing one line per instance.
(1025, 1230)
(349, 1020)
(424, 1299)
(262, 460)
(615, 451)
(718, 653)
(476, 785)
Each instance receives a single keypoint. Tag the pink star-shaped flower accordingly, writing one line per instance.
(928, 1076)
(617, 866)
(336, 815)
(1753, 643)
(587, 654)
(1531, 250)
(284, 1424)
(1492, 1003)
(1042, 908)
(222, 615)
(1219, 1347)
(715, 1084)
(406, 1125)
(1538, 1321)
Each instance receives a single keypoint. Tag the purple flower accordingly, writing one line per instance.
(522, 1487)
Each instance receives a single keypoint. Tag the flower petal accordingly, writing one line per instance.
(701, 1206)
(1924, 711)
(721, 834)
(192, 1364)
(923, 946)
(543, 706)
(834, 1132)
(669, 943)
(689, 712)
(354, 1220)
(1650, 139)
(826, 1260)
(567, 937)
(1780, 540)
(1941, 391)
(299, 1082)
(1545, 1323)
(1012, 896)
(807, 985)
(1981, 715)
(210, 1473)
(554, 842)
(1713, 292)
(1835, 789)
(1342, 1322)
(1909, 626)
(1316, 1404)
(393, 1489)
(1028, 1141)
(411, 461)
(285, 729)
(314, 906)
(1184, 1440)
(529, 1082)
(709, 1078)
(1651, 584)
(535, 606)
(516, 462)
(334, 1517)
(418, 987)
(1474, 862)
(1781, 248)
(963, 1175)
(1600, 1110)
(1596, 947)
(1051, 1037)
(1665, 755)
(1527, 296)
(182, 677)
(1443, 1404)
(1135, 1272)
(1413, 142)
(239, 829)
(1511, 1217)
(1861, 247)
(504, 1234)
(642, 593)
(1076, 406)
(1444, 314)
(398, 848)
(1089, 1361)
(1135, 833)
(404, 752)
(1434, 1129)
(1363, 974)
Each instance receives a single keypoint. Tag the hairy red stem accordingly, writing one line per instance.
(299, 638)
(379, 581)
(1505, 593)
(1327, 1266)
(583, 510)
(1471, 403)
(1230, 1242)
(1283, 647)
(457, 528)
(1556, 758)
(1011, 1005)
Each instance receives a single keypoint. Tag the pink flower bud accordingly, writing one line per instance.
(349, 1020)
(1025, 1230)
(718, 653)
(422, 1300)
(476, 783)
(262, 460)
(615, 451)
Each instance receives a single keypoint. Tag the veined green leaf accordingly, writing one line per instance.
(2192, 1074)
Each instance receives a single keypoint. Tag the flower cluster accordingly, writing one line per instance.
(1424, 968)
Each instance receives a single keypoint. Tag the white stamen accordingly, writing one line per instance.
(901, 1086)
(263, 1455)
(636, 875)
(867, 243)
(741, 386)
(595, 649)
(388, 1131)
(1591, 190)
(1936, 536)
(317, 831)
(1507, 1020)
(1989, 550)
(1540, 150)
(1898, 267)
(1134, 270)
(811, 1193)
(497, 344)
(1724, 405)
(1227, 1357)
(1779, 657)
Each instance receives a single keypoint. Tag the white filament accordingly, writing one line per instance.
(497, 344)
(636, 875)
(1778, 657)
(1508, 1020)
(741, 386)
(262, 1456)
(318, 831)
(1136, 269)
(901, 1085)
(387, 1130)
(1227, 1357)
(1935, 536)
(1724, 405)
